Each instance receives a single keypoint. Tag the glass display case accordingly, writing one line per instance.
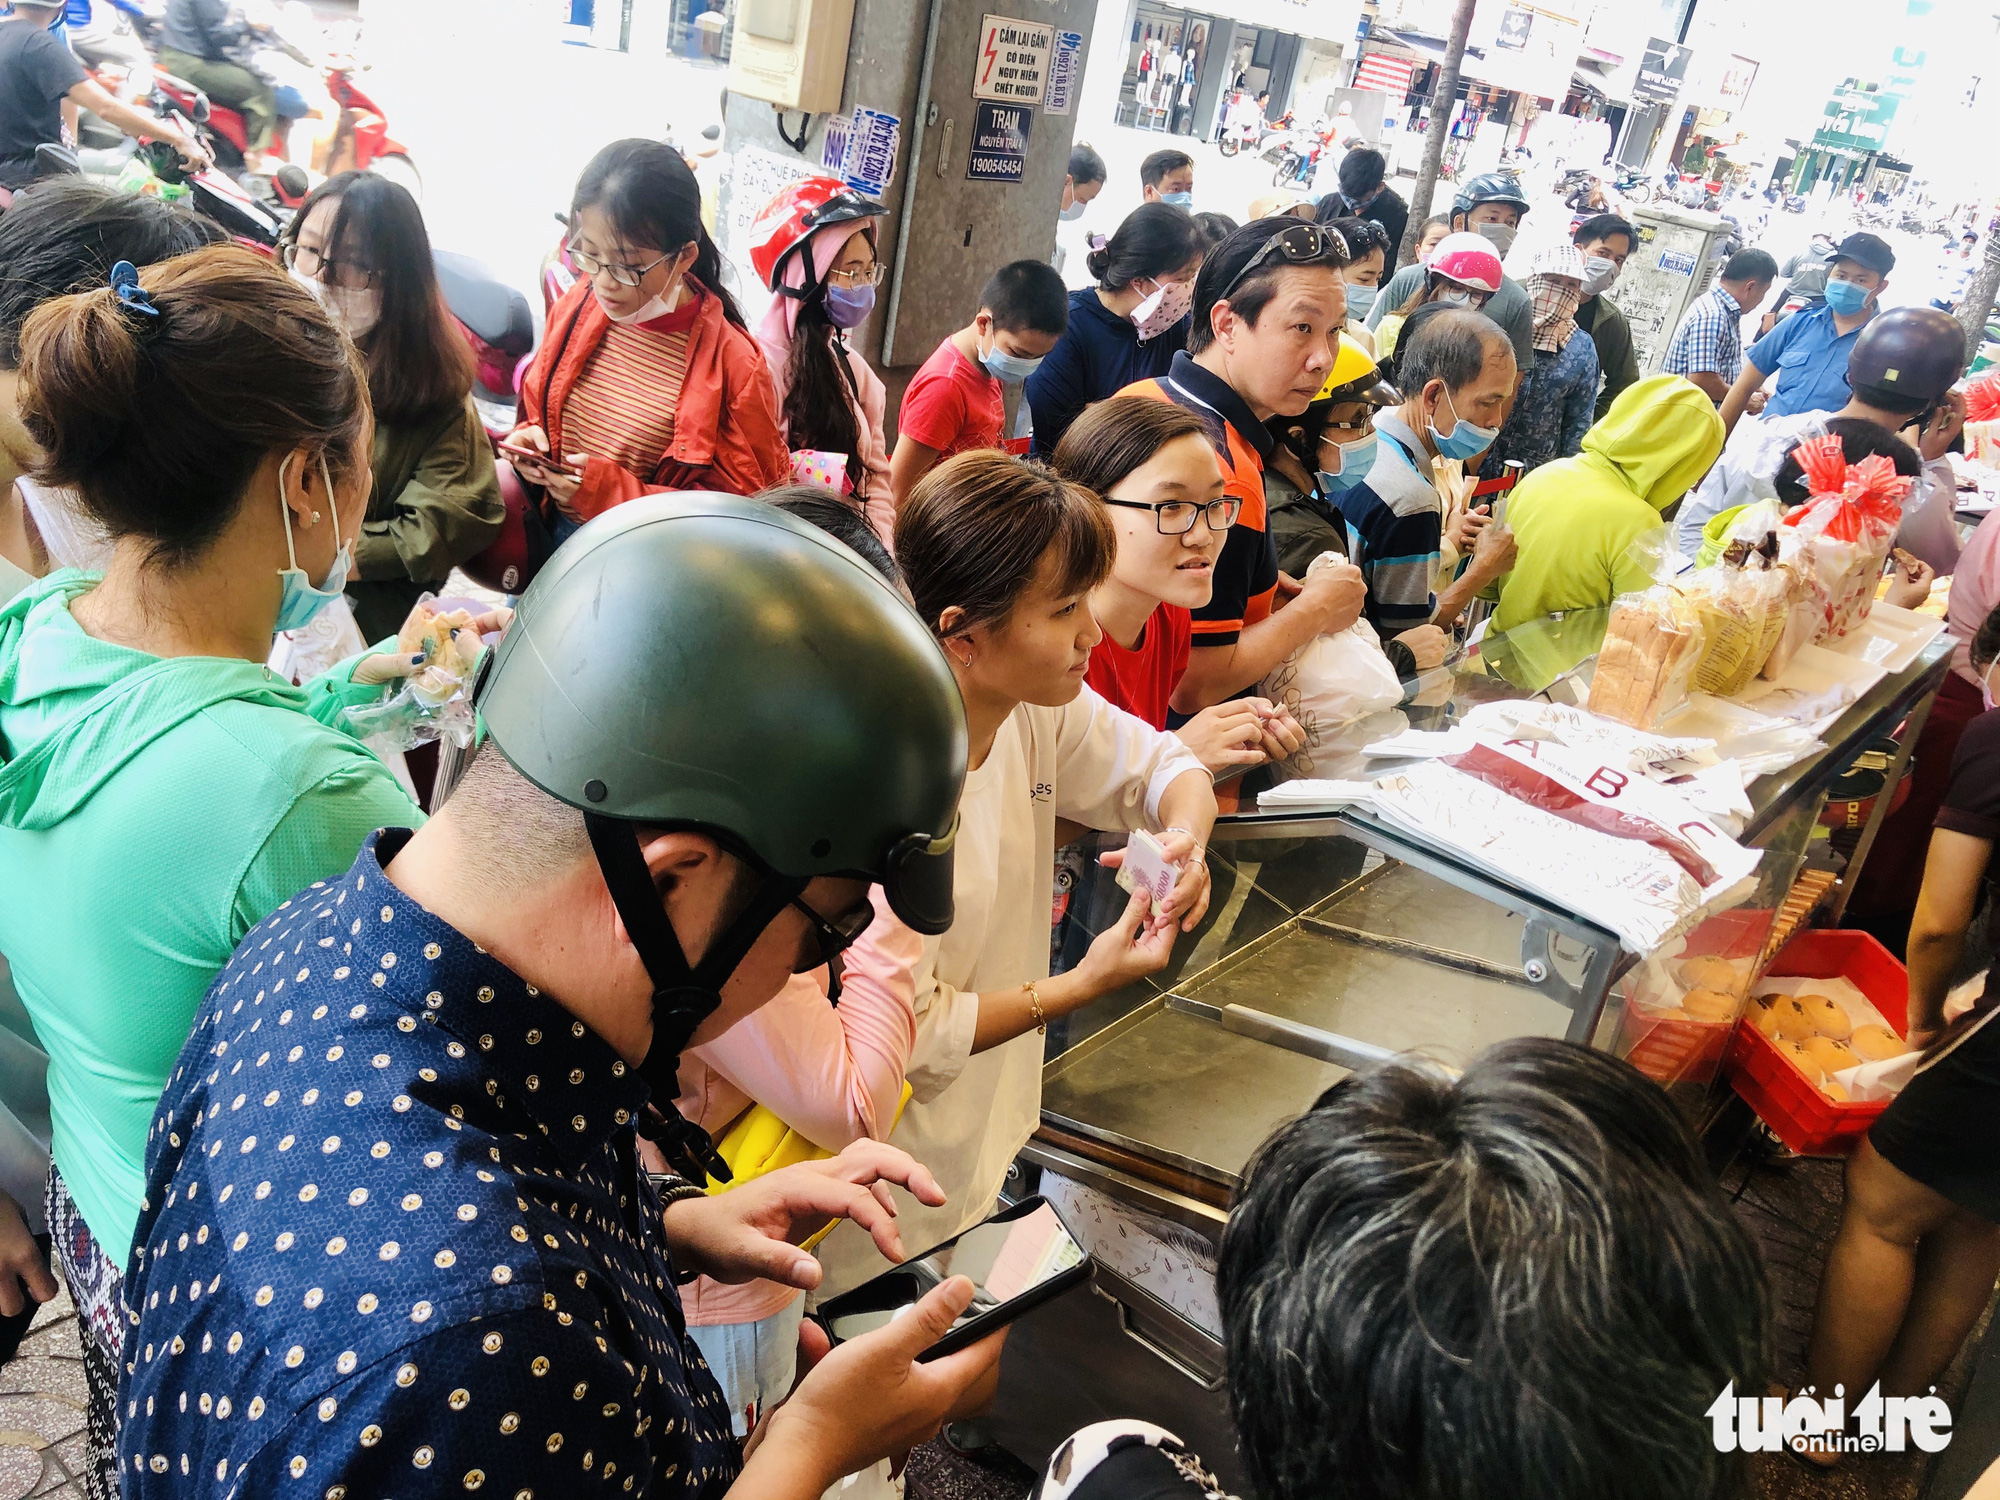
(1331, 940)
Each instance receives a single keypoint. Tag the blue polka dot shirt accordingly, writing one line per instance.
(396, 1241)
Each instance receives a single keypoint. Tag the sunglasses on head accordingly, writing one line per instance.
(1299, 245)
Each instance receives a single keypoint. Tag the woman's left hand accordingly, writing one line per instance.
(562, 487)
(1910, 580)
(1190, 892)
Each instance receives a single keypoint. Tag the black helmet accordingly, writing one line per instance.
(1916, 353)
(706, 661)
(1489, 187)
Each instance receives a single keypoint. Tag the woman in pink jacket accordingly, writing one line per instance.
(833, 1074)
(815, 246)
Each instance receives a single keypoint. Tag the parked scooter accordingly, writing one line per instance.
(1634, 184)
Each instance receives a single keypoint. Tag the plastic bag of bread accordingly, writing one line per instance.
(1847, 527)
(1742, 601)
(1652, 643)
(438, 651)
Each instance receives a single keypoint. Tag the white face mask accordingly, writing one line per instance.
(655, 307)
(1599, 272)
(355, 309)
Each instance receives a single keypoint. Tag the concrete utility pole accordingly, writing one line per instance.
(1976, 306)
(1442, 99)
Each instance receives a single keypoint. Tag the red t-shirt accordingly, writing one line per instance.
(952, 405)
(1141, 681)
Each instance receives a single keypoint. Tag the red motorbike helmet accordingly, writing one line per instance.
(516, 554)
(789, 220)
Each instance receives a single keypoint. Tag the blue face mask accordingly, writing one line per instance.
(1846, 298)
(1356, 459)
(1008, 369)
(1464, 439)
(849, 306)
(301, 599)
(1179, 200)
(1360, 299)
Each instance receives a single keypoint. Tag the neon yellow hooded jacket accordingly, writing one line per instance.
(1574, 519)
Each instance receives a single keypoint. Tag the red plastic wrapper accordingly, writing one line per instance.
(1982, 399)
(1847, 527)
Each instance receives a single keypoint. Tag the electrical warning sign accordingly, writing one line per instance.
(1013, 60)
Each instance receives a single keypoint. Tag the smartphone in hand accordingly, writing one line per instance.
(1020, 1258)
(554, 463)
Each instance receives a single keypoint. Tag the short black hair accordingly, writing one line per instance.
(1224, 262)
(1154, 169)
(1085, 165)
(1362, 170)
(65, 235)
(1985, 648)
(1213, 228)
(1859, 439)
(1522, 1281)
(839, 518)
(1888, 398)
(1751, 265)
(1442, 342)
(1602, 227)
(1027, 296)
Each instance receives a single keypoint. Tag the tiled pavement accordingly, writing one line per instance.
(41, 1409)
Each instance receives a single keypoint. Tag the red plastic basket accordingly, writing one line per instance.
(1800, 1115)
(1676, 1051)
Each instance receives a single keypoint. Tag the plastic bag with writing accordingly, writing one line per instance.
(1743, 600)
(1651, 645)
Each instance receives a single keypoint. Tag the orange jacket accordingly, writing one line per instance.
(727, 435)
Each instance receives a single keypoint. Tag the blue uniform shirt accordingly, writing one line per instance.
(395, 1239)
(1809, 356)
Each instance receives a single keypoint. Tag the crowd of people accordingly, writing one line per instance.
(382, 1143)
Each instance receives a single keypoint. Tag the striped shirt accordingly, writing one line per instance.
(622, 407)
(1395, 531)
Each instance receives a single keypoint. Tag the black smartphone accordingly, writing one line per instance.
(1018, 1259)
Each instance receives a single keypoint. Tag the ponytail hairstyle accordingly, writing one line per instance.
(650, 195)
(159, 418)
(1152, 241)
(818, 411)
(419, 365)
(975, 530)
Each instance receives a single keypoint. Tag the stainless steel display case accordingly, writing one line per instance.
(1331, 940)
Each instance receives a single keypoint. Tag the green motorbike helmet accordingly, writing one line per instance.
(710, 662)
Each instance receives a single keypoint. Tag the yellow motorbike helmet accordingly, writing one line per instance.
(1356, 377)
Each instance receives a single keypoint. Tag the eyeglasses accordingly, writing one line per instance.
(318, 265)
(833, 935)
(1300, 245)
(870, 277)
(590, 265)
(1176, 517)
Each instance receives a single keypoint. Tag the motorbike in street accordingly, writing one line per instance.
(1295, 159)
(1634, 184)
(361, 136)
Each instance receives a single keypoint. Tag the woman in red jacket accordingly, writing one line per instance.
(647, 378)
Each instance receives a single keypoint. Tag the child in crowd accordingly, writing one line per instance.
(1435, 229)
(956, 401)
(1168, 177)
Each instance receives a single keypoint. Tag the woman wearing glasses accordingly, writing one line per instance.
(647, 378)
(359, 246)
(1000, 557)
(1154, 468)
(814, 245)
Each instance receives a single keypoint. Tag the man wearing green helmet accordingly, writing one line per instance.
(711, 729)
(1491, 205)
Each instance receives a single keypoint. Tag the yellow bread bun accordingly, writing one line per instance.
(1709, 973)
(1799, 1058)
(1765, 1019)
(1832, 1056)
(1709, 1005)
(1794, 1024)
(1833, 1091)
(1828, 1016)
(1874, 1043)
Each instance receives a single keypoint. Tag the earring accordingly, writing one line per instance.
(315, 519)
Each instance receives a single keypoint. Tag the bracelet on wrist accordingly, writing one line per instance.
(1035, 1005)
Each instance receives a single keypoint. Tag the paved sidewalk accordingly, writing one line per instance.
(41, 1409)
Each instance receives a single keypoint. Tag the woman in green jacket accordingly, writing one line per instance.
(160, 792)
(359, 245)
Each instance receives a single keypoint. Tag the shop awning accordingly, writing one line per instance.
(1389, 74)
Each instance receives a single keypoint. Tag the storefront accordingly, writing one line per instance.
(1180, 66)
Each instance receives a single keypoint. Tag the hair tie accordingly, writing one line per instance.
(131, 296)
(1098, 242)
